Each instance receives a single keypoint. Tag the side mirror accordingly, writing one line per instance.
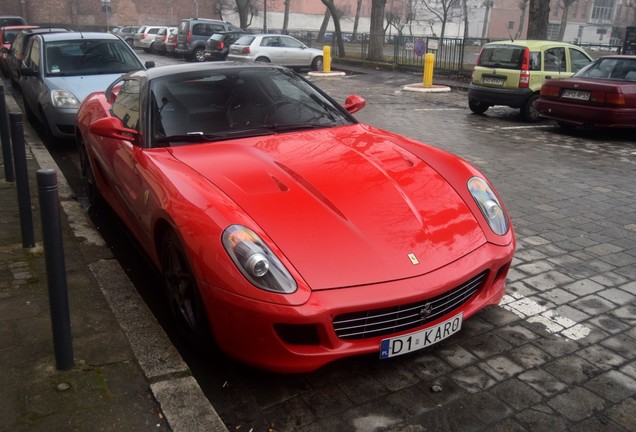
(149, 64)
(354, 103)
(112, 127)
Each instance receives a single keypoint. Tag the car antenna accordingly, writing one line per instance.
(510, 35)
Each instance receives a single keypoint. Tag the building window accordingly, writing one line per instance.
(511, 25)
(602, 11)
(553, 31)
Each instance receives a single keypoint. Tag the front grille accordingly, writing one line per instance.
(380, 322)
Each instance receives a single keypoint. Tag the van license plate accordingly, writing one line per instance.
(421, 339)
(575, 94)
(492, 80)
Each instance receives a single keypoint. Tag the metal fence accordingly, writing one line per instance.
(452, 55)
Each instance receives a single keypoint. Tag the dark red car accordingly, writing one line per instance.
(7, 36)
(602, 94)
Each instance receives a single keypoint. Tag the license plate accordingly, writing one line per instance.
(492, 80)
(575, 94)
(421, 339)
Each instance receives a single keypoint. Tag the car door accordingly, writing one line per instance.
(272, 48)
(578, 59)
(32, 86)
(295, 53)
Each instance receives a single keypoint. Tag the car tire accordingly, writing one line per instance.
(262, 60)
(477, 107)
(183, 296)
(49, 139)
(198, 55)
(317, 64)
(529, 111)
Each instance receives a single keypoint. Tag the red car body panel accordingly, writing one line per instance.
(341, 207)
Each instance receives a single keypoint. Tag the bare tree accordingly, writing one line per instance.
(523, 5)
(443, 10)
(356, 20)
(335, 16)
(323, 27)
(400, 15)
(286, 16)
(376, 43)
(565, 5)
(538, 17)
(487, 4)
(246, 10)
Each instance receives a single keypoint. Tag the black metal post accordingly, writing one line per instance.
(55, 268)
(4, 138)
(22, 180)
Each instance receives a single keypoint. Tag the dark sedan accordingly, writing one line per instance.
(218, 46)
(603, 94)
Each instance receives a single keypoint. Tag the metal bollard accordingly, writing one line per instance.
(326, 58)
(55, 268)
(22, 180)
(429, 65)
(4, 138)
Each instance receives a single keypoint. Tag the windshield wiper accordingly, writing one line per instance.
(197, 137)
(275, 127)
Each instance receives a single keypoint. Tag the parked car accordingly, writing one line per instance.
(171, 42)
(127, 33)
(602, 94)
(9, 20)
(61, 69)
(194, 33)
(159, 46)
(7, 36)
(286, 229)
(217, 46)
(278, 49)
(145, 37)
(511, 73)
(16, 54)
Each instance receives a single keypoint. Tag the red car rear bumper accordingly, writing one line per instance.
(584, 115)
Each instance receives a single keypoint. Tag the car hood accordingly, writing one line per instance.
(81, 85)
(347, 206)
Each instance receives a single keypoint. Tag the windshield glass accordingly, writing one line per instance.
(610, 68)
(89, 57)
(214, 105)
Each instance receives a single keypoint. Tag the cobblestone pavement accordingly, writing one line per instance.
(558, 354)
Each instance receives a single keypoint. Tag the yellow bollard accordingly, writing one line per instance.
(326, 58)
(429, 64)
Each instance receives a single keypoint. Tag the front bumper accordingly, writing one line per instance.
(512, 97)
(258, 333)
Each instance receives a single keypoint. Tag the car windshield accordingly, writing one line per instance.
(213, 105)
(502, 56)
(89, 57)
(610, 68)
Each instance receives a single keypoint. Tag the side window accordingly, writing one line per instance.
(127, 104)
(215, 28)
(290, 43)
(578, 59)
(554, 59)
(270, 41)
(17, 44)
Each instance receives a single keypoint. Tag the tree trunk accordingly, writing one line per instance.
(323, 26)
(564, 18)
(538, 17)
(286, 17)
(523, 5)
(331, 6)
(356, 20)
(376, 42)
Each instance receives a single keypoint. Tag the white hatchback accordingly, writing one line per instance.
(278, 49)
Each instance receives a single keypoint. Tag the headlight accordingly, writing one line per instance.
(489, 205)
(256, 261)
(64, 99)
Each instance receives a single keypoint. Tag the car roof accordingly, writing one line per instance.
(39, 30)
(60, 36)
(533, 44)
(162, 71)
(18, 27)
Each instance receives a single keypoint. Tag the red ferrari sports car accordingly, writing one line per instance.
(289, 233)
(603, 94)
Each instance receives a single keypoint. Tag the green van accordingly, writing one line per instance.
(511, 73)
